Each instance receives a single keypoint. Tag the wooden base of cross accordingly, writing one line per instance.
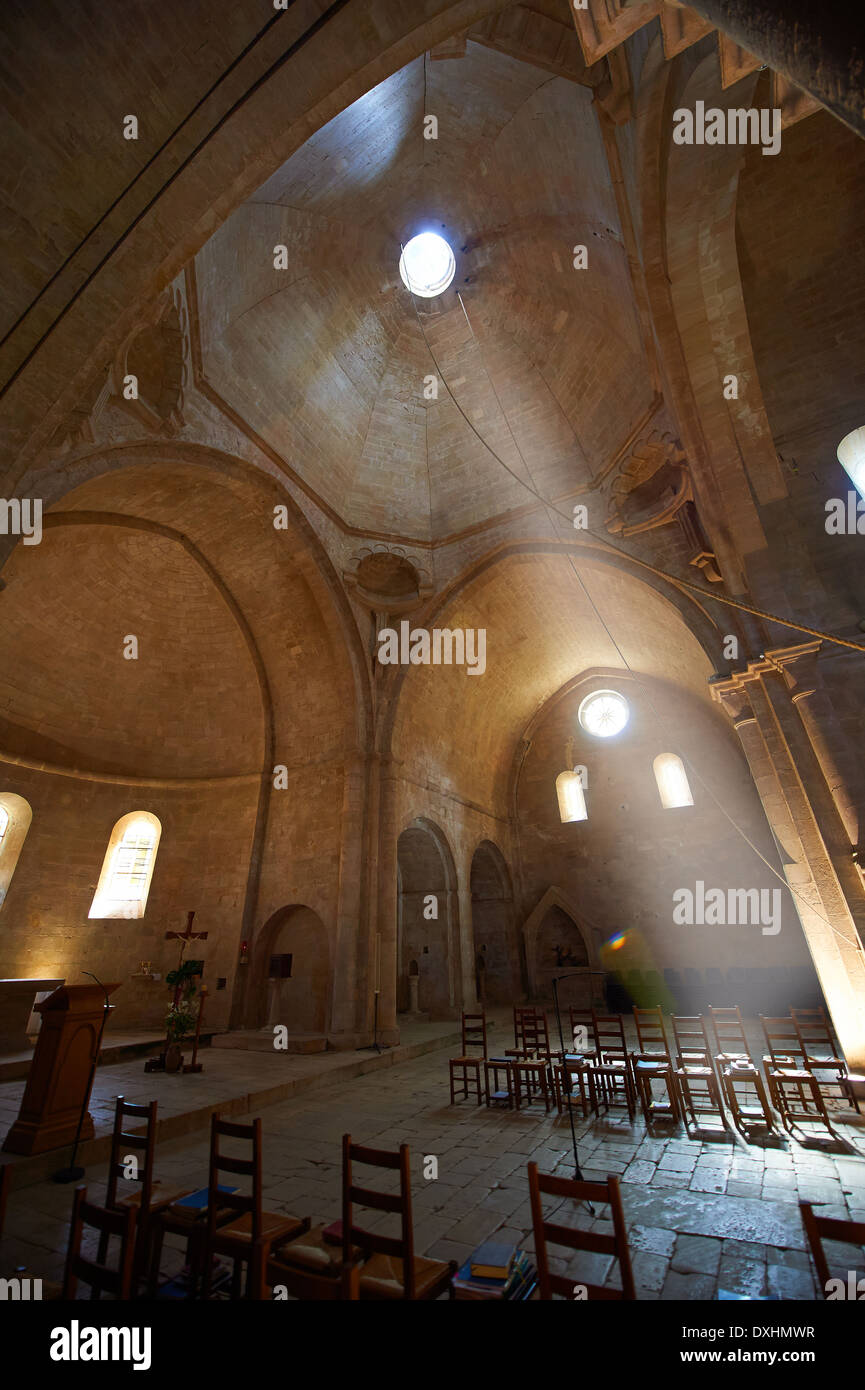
(195, 1065)
(184, 937)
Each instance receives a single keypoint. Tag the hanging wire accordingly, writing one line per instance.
(552, 511)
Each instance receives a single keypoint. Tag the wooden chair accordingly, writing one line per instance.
(532, 1070)
(520, 1013)
(820, 1228)
(741, 1081)
(821, 1053)
(575, 1239)
(100, 1276)
(494, 1092)
(467, 1069)
(575, 1086)
(253, 1234)
(730, 1042)
(582, 1019)
(393, 1271)
(149, 1196)
(302, 1284)
(699, 1091)
(611, 1066)
(651, 1061)
(793, 1089)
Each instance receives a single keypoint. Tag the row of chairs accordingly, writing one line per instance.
(803, 1065)
(339, 1261)
(347, 1262)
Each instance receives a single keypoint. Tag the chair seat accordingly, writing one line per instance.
(160, 1197)
(653, 1066)
(273, 1227)
(688, 1070)
(790, 1073)
(462, 1061)
(382, 1277)
(310, 1251)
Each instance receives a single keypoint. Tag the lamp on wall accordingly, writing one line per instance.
(569, 790)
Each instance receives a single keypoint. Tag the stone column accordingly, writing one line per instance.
(384, 920)
(837, 759)
(819, 901)
(347, 1020)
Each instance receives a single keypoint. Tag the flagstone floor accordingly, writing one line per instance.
(703, 1214)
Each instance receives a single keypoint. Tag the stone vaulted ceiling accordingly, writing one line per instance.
(326, 359)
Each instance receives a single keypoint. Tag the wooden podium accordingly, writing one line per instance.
(58, 1085)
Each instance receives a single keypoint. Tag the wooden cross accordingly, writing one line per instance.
(184, 937)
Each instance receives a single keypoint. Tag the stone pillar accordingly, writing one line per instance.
(832, 749)
(347, 1020)
(384, 921)
(817, 895)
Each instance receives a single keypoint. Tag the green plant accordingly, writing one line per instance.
(180, 1022)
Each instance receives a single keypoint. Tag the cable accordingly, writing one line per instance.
(606, 542)
(551, 509)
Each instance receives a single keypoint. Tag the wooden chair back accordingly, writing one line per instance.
(691, 1040)
(223, 1163)
(816, 1038)
(101, 1277)
(474, 1033)
(536, 1037)
(402, 1247)
(782, 1042)
(123, 1142)
(612, 1045)
(651, 1035)
(582, 1018)
(541, 1184)
(729, 1031)
(820, 1228)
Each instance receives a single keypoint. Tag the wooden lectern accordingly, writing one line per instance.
(58, 1085)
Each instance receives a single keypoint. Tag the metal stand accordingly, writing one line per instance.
(578, 1173)
(73, 1173)
(375, 1045)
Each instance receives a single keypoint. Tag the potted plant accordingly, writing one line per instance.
(179, 1024)
(181, 1016)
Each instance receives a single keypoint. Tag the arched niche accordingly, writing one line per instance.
(497, 967)
(558, 942)
(427, 921)
(294, 993)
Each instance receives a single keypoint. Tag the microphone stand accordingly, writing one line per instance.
(577, 1170)
(73, 1173)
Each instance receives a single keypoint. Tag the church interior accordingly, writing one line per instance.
(432, 651)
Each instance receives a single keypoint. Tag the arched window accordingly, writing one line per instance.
(15, 818)
(672, 781)
(128, 867)
(572, 803)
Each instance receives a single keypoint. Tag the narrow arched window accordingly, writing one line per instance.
(672, 781)
(15, 818)
(572, 803)
(128, 867)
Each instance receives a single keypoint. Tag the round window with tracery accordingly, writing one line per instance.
(604, 713)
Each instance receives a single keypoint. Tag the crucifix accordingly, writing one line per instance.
(184, 937)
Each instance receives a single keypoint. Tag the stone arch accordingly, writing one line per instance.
(427, 885)
(555, 921)
(300, 1001)
(493, 927)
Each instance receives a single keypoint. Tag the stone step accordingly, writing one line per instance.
(262, 1039)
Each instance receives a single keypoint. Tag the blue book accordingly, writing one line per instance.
(199, 1199)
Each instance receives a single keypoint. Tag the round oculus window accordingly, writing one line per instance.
(427, 265)
(604, 713)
